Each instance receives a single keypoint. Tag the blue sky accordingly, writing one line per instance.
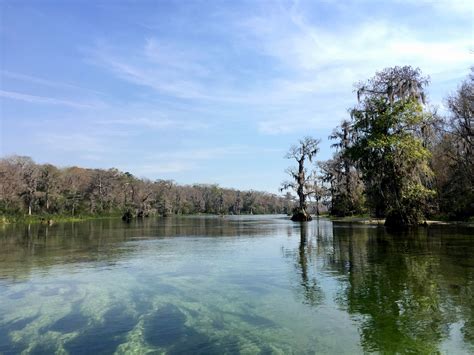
(207, 91)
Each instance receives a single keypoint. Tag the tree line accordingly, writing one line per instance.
(396, 157)
(27, 188)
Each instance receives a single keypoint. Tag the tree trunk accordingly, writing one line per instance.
(301, 181)
(300, 215)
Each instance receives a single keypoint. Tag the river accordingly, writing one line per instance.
(236, 284)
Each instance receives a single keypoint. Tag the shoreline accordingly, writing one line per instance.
(49, 219)
(53, 219)
(380, 222)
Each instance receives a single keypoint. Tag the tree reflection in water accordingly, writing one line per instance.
(313, 294)
(407, 291)
(410, 291)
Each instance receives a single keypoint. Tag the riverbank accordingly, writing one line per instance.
(50, 219)
(381, 221)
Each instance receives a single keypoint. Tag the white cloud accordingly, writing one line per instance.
(308, 65)
(458, 7)
(323, 61)
(307, 48)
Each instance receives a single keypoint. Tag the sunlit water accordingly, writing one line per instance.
(233, 285)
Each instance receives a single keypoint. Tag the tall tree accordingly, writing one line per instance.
(347, 189)
(306, 149)
(389, 149)
(320, 192)
(453, 155)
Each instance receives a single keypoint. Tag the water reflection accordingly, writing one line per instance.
(408, 291)
(312, 292)
(221, 285)
(24, 248)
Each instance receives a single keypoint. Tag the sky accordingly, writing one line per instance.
(207, 91)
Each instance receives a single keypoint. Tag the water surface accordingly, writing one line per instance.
(249, 285)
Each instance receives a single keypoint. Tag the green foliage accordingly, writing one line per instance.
(346, 187)
(391, 156)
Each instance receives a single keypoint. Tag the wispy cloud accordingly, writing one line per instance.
(164, 167)
(307, 64)
(182, 160)
(155, 123)
(34, 99)
(79, 143)
(45, 82)
(146, 73)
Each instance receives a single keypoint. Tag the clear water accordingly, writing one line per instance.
(248, 285)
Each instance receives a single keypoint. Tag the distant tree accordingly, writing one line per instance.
(48, 183)
(388, 148)
(75, 184)
(11, 185)
(289, 203)
(237, 204)
(249, 202)
(164, 198)
(28, 175)
(306, 149)
(29, 188)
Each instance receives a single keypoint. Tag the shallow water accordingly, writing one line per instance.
(243, 284)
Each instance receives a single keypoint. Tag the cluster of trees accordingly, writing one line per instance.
(29, 188)
(396, 158)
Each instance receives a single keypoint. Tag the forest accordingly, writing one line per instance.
(396, 157)
(30, 189)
